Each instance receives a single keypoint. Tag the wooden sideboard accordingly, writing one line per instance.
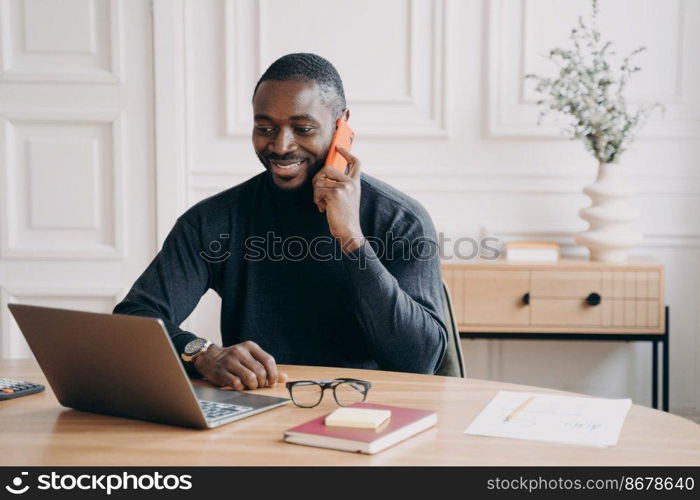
(572, 295)
(571, 299)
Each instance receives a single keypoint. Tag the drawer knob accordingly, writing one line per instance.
(593, 299)
(526, 299)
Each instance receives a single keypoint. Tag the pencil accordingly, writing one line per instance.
(520, 408)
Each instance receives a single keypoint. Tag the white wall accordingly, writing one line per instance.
(437, 101)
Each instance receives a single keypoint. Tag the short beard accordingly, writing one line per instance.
(318, 165)
(313, 170)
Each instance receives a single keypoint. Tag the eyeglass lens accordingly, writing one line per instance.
(306, 394)
(347, 393)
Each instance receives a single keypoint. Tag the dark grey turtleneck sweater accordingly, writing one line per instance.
(366, 309)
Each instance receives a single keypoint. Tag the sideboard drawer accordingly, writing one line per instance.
(489, 297)
(565, 283)
(570, 312)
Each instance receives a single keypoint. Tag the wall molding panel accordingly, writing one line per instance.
(420, 113)
(55, 225)
(78, 41)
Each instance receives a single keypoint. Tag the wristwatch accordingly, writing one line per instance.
(194, 349)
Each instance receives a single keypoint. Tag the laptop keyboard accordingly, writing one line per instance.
(213, 410)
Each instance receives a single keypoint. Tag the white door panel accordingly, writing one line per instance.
(77, 207)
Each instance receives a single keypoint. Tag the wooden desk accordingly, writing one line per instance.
(37, 431)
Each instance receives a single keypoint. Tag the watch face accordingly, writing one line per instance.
(195, 346)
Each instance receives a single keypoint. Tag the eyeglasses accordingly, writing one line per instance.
(346, 391)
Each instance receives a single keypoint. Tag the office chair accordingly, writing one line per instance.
(453, 363)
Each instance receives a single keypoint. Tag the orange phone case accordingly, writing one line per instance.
(343, 137)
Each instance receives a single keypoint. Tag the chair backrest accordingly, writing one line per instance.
(453, 363)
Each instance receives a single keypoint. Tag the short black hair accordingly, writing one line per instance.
(304, 66)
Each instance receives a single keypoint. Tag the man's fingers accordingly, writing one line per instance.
(282, 377)
(327, 183)
(322, 184)
(319, 175)
(331, 173)
(320, 202)
(227, 379)
(242, 366)
(353, 162)
(248, 360)
(247, 376)
(323, 195)
(267, 361)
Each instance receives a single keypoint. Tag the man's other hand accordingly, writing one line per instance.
(241, 366)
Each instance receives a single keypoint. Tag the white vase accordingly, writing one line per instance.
(609, 236)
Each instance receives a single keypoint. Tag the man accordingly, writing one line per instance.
(342, 303)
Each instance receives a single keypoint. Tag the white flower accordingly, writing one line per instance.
(591, 94)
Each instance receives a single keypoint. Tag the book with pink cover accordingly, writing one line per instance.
(403, 423)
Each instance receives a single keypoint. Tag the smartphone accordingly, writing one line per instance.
(343, 137)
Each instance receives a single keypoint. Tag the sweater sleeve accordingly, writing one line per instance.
(399, 303)
(171, 286)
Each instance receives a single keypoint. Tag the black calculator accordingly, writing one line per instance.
(11, 388)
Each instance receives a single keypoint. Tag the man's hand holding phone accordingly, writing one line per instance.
(338, 195)
(241, 366)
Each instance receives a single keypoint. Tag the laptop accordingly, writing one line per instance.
(126, 366)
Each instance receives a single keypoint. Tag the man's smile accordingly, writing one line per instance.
(287, 168)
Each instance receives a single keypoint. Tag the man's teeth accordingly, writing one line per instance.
(293, 165)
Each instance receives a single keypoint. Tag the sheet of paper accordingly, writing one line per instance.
(556, 419)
